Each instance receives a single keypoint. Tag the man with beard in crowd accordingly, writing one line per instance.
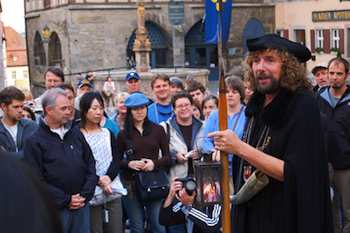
(283, 142)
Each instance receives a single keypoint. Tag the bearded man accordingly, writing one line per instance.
(283, 141)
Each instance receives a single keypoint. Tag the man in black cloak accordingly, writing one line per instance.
(283, 140)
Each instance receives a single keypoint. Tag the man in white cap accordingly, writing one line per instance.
(321, 77)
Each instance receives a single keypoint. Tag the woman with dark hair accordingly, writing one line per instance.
(28, 113)
(107, 216)
(197, 111)
(210, 103)
(139, 145)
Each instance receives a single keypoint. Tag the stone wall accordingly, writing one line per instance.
(95, 36)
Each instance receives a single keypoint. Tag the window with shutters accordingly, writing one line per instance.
(47, 3)
(319, 39)
(300, 36)
(335, 39)
(14, 75)
(25, 74)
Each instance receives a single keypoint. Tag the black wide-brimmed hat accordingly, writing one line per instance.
(274, 41)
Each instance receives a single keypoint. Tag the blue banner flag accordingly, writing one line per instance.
(212, 20)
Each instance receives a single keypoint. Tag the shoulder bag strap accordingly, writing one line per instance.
(168, 130)
(238, 117)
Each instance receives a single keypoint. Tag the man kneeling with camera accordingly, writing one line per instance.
(180, 214)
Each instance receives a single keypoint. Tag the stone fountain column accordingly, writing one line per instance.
(142, 45)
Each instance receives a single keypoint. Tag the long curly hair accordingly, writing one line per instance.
(293, 74)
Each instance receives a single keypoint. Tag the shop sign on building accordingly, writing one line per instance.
(322, 16)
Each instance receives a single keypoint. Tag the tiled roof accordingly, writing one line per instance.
(16, 52)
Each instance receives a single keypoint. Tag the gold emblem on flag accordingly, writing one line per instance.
(217, 5)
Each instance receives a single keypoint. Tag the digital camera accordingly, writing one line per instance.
(189, 183)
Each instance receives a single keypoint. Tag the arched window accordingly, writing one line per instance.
(39, 51)
(198, 53)
(253, 29)
(55, 53)
(159, 45)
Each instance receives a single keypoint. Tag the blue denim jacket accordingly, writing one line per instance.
(212, 125)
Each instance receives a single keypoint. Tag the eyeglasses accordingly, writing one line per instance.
(183, 106)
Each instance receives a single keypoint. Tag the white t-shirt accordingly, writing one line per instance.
(60, 131)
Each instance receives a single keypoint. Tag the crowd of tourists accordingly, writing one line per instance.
(95, 153)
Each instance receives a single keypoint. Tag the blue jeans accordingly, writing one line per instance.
(76, 221)
(180, 228)
(138, 212)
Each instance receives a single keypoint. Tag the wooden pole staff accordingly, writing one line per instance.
(226, 215)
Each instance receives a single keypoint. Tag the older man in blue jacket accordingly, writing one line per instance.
(64, 161)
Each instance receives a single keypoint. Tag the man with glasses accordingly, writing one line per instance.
(184, 130)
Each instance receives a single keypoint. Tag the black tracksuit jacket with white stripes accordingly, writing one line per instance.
(205, 220)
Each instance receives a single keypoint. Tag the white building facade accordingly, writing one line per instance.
(322, 25)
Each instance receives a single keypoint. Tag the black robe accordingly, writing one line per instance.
(301, 203)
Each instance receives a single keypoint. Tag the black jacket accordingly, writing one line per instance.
(336, 122)
(23, 197)
(205, 219)
(67, 166)
(25, 129)
(301, 203)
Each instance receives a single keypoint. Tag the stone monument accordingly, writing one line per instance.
(142, 45)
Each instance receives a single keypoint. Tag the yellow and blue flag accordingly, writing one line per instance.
(212, 20)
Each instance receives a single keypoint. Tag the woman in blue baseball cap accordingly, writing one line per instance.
(139, 144)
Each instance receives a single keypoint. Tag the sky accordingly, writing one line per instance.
(13, 14)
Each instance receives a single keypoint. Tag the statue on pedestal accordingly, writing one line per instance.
(142, 45)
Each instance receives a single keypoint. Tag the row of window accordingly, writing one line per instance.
(24, 74)
(334, 39)
(325, 40)
(54, 50)
(43, 4)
